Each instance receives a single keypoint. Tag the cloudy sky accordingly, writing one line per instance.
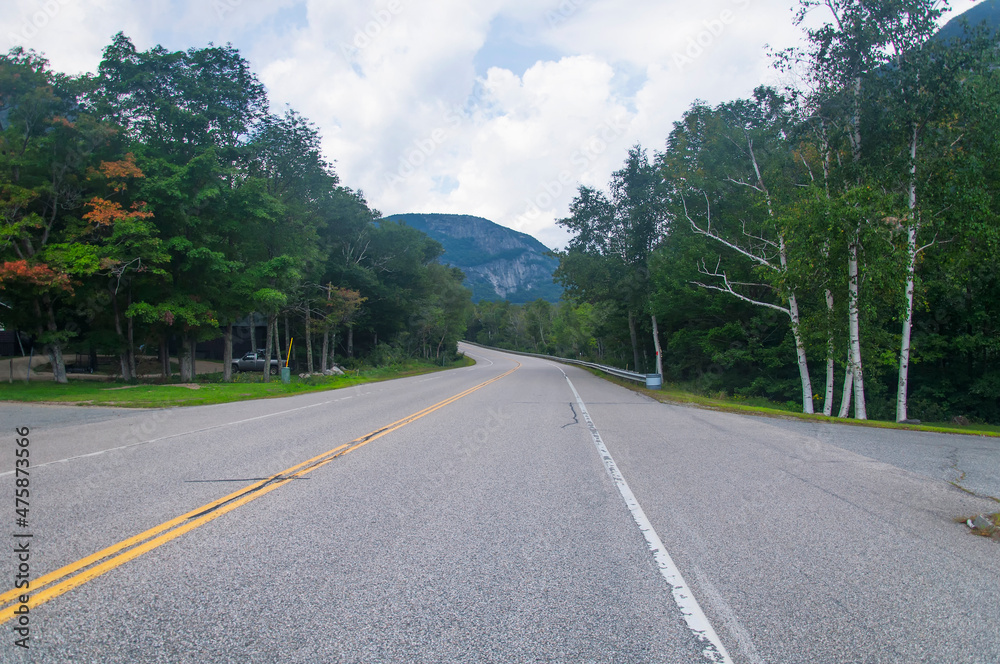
(496, 108)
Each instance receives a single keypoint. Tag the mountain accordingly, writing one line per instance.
(499, 263)
(987, 12)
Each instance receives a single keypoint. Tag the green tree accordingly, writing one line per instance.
(607, 258)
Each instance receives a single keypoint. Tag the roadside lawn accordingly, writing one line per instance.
(209, 388)
(673, 395)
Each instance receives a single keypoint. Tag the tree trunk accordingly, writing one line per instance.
(165, 356)
(55, 348)
(830, 349)
(286, 349)
(800, 352)
(194, 355)
(119, 332)
(130, 347)
(227, 354)
(253, 332)
(282, 353)
(904, 350)
(656, 344)
(635, 340)
(854, 322)
(309, 348)
(323, 366)
(184, 358)
(350, 341)
(272, 323)
(278, 348)
(845, 399)
(58, 363)
(913, 227)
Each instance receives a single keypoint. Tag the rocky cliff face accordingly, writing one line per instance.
(499, 263)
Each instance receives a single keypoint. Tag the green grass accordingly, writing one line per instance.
(210, 388)
(759, 406)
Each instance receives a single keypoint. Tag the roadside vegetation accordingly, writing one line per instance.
(679, 395)
(209, 388)
(833, 247)
(159, 204)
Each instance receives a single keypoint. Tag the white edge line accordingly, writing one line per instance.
(479, 356)
(695, 618)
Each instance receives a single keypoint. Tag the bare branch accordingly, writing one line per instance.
(926, 246)
(727, 287)
(759, 239)
(809, 169)
(743, 183)
(707, 232)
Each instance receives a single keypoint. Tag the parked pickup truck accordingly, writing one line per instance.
(255, 362)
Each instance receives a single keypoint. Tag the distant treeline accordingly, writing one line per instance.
(837, 245)
(159, 200)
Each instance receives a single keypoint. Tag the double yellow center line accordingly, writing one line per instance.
(64, 579)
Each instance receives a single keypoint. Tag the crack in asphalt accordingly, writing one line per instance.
(576, 418)
(961, 474)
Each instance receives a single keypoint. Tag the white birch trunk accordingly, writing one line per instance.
(845, 399)
(854, 325)
(793, 313)
(800, 353)
(830, 348)
(913, 228)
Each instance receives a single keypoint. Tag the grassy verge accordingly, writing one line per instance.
(209, 388)
(674, 395)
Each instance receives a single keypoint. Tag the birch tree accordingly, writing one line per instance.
(921, 92)
(743, 159)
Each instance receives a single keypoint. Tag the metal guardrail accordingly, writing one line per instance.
(614, 371)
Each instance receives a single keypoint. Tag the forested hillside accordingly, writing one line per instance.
(835, 245)
(159, 201)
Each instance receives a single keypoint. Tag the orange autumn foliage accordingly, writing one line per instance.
(105, 213)
(117, 172)
(126, 168)
(36, 275)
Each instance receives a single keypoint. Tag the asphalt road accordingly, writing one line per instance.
(488, 529)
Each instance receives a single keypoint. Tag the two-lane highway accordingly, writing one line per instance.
(470, 516)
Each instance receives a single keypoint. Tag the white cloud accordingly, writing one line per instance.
(393, 86)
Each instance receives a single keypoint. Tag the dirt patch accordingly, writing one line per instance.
(190, 386)
(124, 387)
